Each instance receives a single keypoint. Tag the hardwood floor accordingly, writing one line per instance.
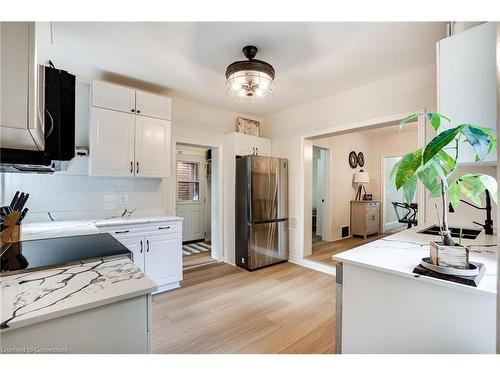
(224, 309)
(323, 251)
(196, 260)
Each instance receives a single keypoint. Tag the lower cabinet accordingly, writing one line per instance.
(157, 251)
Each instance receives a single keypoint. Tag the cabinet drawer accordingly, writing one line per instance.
(115, 97)
(152, 105)
(162, 227)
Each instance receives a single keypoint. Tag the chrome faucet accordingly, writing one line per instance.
(488, 223)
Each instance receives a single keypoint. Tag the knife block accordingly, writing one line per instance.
(13, 231)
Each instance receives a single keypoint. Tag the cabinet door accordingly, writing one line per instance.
(115, 97)
(152, 147)
(137, 246)
(111, 143)
(250, 145)
(18, 87)
(152, 105)
(164, 258)
(467, 81)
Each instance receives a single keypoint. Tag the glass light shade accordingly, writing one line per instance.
(249, 86)
(362, 178)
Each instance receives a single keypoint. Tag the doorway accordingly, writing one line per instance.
(194, 187)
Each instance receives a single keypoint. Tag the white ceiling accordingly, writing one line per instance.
(312, 60)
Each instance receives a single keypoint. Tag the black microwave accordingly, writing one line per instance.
(59, 125)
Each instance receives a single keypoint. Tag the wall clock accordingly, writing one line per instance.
(353, 159)
(361, 159)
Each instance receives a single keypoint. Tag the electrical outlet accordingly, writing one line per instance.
(242, 260)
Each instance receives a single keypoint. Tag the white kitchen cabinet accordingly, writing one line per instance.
(123, 142)
(24, 51)
(136, 246)
(112, 142)
(111, 96)
(163, 258)
(467, 81)
(152, 147)
(157, 249)
(153, 105)
(249, 145)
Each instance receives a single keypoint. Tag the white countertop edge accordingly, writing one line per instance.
(431, 280)
(77, 309)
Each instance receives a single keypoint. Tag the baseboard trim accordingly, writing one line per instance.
(317, 266)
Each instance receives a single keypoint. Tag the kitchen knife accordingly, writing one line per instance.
(18, 200)
(23, 214)
(14, 200)
(23, 202)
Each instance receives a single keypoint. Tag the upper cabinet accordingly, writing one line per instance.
(467, 81)
(130, 132)
(249, 145)
(25, 49)
(125, 99)
(153, 105)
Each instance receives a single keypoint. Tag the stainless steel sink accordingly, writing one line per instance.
(468, 234)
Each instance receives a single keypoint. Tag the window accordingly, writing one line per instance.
(188, 185)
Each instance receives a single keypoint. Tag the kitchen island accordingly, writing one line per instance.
(100, 306)
(383, 307)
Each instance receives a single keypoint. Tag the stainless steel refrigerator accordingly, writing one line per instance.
(261, 211)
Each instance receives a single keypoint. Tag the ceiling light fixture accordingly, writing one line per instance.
(250, 81)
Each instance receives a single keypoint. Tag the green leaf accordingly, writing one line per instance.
(435, 119)
(409, 189)
(440, 172)
(491, 136)
(408, 166)
(472, 189)
(447, 159)
(454, 194)
(439, 142)
(435, 192)
(406, 120)
(491, 184)
(392, 178)
(478, 139)
(428, 177)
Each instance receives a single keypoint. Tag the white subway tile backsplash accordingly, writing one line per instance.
(70, 197)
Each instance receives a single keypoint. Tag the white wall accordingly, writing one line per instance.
(403, 93)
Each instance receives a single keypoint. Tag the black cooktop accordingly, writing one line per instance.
(51, 252)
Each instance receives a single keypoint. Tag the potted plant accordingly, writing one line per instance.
(435, 166)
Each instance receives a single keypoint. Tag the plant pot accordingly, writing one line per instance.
(449, 256)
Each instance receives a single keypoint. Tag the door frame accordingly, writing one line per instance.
(306, 167)
(216, 194)
(326, 224)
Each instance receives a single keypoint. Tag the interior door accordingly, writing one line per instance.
(191, 196)
(164, 258)
(112, 143)
(152, 147)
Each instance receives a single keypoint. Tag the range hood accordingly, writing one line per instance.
(59, 130)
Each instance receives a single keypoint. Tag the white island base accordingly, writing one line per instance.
(383, 307)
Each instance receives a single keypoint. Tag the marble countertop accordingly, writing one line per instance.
(42, 295)
(64, 228)
(402, 252)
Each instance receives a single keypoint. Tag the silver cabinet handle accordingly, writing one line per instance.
(131, 167)
(147, 248)
(137, 168)
(141, 246)
(163, 228)
(256, 151)
(122, 231)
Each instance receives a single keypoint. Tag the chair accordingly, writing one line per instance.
(409, 213)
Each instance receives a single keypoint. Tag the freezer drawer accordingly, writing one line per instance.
(268, 244)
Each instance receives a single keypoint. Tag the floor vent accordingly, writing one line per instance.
(345, 231)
